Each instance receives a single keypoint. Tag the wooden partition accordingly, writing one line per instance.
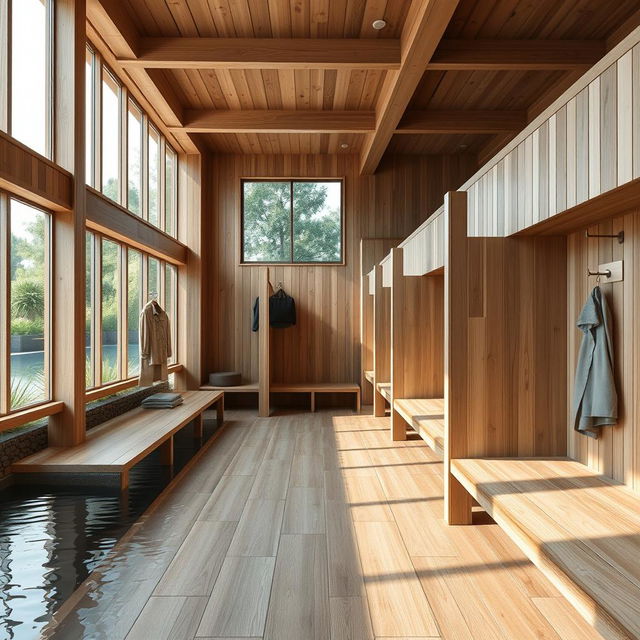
(417, 345)
(264, 342)
(372, 250)
(382, 340)
(505, 334)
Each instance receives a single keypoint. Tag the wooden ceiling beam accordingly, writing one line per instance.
(109, 21)
(424, 26)
(265, 53)
(278, 121)
(461, 121)
(511, 55)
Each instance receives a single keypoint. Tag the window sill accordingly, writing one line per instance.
(19, 418)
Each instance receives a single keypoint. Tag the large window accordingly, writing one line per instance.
(292, 221)
(128, 159)
(120, 281)
(24, 323)
(30, 73)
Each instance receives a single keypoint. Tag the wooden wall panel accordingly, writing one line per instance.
(372, 250)
(617, 452)
(584, 145)
(324, 346)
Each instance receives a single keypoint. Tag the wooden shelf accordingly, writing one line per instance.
(426, 417)
(579, 527)
(308, 387)
(241, 388)
(384, 389)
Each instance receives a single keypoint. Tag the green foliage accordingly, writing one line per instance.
(267, 223)
(24, 327)
(27, 390)
(112, 190)
(27, 300)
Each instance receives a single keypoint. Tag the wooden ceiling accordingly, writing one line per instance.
(313, 76)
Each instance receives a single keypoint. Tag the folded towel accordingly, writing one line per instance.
(162, 397)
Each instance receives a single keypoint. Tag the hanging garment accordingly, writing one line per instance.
(595, 401)
(282, 311)
(155, 344)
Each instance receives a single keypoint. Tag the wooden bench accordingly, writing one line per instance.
(318, 387)
(368, 376)
(384, 389)
(580, 528)
(426, 417)
(118, 444)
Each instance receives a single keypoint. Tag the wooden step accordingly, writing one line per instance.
(384, 389)
(580, 528)
(426, 416)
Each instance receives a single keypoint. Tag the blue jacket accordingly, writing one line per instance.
(595, 401)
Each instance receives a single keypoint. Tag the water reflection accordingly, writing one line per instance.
(52, 538)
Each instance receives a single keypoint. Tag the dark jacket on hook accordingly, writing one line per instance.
(282, 311)
(595, 401)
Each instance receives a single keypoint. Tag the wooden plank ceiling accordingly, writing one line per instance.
(445, 76)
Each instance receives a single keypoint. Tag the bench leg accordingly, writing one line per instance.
(198, 428)
(378, 404)
(220, 412)
(457, 503)
(398, 426)
(166, 452)
(313, 402)
(124, 480)
(358, 405)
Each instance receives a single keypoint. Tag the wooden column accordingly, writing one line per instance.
(457, 505)
(68, 255)
(191, 323)
(264, 335)
(398, 309)
(381, 341)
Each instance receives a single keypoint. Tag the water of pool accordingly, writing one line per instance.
(52, 538)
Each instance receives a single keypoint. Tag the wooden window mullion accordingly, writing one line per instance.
(97, 310)
(5, 337)
(291, 218)
(123, 303)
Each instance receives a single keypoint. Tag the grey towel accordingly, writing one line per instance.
(595, 401)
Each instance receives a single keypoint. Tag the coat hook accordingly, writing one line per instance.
(620, 236)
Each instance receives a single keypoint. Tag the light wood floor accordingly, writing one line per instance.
(315, 527)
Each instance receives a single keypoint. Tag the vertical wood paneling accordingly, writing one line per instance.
(607, 154)
(625, 118)
(583, 138)
(324, 346)
(615, 453)
(571, 153)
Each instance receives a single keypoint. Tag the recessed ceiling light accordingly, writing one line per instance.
(379, 24)
(344, 145)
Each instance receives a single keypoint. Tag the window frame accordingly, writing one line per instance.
(6, 69)
(123, 379)
(292, 263)
(100, 68)
(5, 307)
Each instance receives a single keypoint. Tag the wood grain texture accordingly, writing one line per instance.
(327, 297)
(168, 617)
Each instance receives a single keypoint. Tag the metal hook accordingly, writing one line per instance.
(620, 236)
(598, 274)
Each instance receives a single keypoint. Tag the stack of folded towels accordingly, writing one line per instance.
(162, 401)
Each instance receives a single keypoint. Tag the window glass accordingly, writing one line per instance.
(295, 221)
(29, 302)
(153, 278)
(154, 177)
(110, 136)
(317, 221)
(30, 74)
(134, 307)
(170, 297)
(89, 100)
(267, 221)
(110, 309)
(134, 159)
(89, 293)
(170, 185)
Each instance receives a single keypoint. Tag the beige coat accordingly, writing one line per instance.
(155, 344)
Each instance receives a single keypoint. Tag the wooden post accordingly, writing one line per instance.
(166, 452)
(220, 412)
(264, 334)
(68, 256)
(457, 500)
(381, 334)
(198, 427)
(398, 304)
(190, 231)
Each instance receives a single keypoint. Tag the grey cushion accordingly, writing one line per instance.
(225, 379)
